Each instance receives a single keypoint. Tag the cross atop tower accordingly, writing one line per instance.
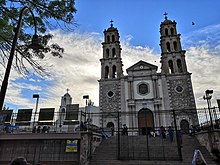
(111, 23)
(165, 14)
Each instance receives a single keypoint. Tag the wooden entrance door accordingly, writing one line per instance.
(145, 121)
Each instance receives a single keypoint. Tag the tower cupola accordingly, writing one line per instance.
(111, 63)
(172, 55)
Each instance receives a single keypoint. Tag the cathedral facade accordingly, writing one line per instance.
(149, 97)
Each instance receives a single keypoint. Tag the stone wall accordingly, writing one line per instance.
(209, 139)
(50, 148)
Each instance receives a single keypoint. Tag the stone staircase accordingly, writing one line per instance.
(134, 151)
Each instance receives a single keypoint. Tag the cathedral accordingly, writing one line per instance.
(144, 98)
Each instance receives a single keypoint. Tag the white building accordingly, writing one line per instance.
(145, 98)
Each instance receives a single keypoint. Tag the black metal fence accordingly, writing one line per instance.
(144, 138)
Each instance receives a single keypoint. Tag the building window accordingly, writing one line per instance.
(179, 89)
(114, 73)
(171, 69)
(113, 52)
(108, 39)
(113, 38)
(110, 94)
(179, 66)
(168, 47)
(175, 45)
(106, 72)
(143, 88)
(166, 32)
(107, 53)
(172, 31)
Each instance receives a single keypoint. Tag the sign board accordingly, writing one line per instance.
(5, 116)
(72, 111)
(71, 145)
(46, 114)
(24, 115)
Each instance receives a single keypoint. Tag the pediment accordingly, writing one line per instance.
(142, 65)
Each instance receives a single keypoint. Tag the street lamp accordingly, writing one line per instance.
(208, 97)
(34, 45)
(86, 110)
(35, 113)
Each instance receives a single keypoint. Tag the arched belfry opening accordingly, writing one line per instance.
(113, 38)
(113, 52)
(172, 31)
(108, 39)
(107, 53)
(175, 45)
(166, 32)
(106, 72)
(170, 64)
(145, 121)
(114, 73)
(179, 66)
(168, 47)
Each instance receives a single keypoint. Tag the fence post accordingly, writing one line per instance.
(119, 149)
(177, 137)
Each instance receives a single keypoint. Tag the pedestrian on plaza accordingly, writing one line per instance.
(125, 130)
(163, 132)
(38, 129)
(112, 131)
(170, 133)
(179, 138)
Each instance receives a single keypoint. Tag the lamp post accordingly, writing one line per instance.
(208, 97)
(86, 97)
(35, 113)
(34, 45)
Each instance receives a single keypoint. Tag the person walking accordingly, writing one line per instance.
(170, 133)
(163, 132)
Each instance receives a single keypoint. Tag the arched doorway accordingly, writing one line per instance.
(145, 121)
(184, 126)
(110, 126)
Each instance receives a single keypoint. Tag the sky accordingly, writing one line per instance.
(138, 23)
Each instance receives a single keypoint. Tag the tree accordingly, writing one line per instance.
(49, 14)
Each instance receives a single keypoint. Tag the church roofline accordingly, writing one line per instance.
(141, 63)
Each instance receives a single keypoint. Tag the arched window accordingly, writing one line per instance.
(172, 31)
(106, 72)
(170, 64)
(175, 45)
(168, 47)
(113, 52)
(108, 39)
(107, 53)
(179, 66)
(114, 72)
(113, 38)
(166, 32)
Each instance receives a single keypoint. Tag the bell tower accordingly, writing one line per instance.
(111, 63)
(111, 74)
(174, 68)
(172, 56)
